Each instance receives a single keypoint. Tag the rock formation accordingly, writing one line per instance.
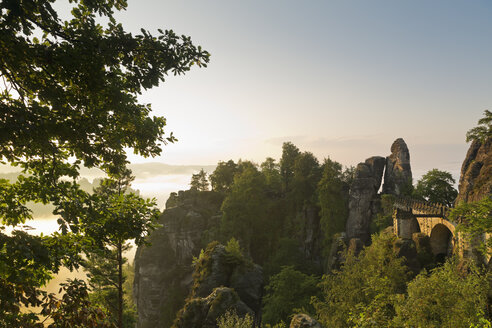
(203, 312)
(364, 200)
(398, 174)
(304, 321)
(312, 234)
(222, 280)
(476, 172)
(362, 195)
(163, 272)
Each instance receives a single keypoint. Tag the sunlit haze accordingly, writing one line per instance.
(338, 78)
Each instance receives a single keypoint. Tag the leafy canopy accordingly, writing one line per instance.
(288, 291)
(68, 97)
(199, 181)
(475, 220)
(436, 186)
(451, 296)
(365, 287)
(484, 129)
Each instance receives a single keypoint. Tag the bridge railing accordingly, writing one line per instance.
(429, 208)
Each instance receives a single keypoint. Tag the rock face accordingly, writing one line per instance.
(312, 234)
(221, 280)
(362, 197)
(398, 174)
(476, 172)
(204, 312)
(163, 272)
(304, 321)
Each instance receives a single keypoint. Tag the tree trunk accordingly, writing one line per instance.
(120, 286)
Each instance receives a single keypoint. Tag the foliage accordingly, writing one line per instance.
(306, 175)
(102, 273)
(281, 324)
(287, 292)
(199, 181)
(475, 219)
(223, 176)
(287, 162)
(333, 200)
(366, 286)
(450, 296)
(271, 171)
(234, 252)
(118, 216)
(436, 186)
(244, 212)
(287, 253)
(384, 218)
(484, 129)
(69, 98)
(231, 320)
(74, 310)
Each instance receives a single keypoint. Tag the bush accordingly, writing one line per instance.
(365, 289)
(231, 320)
(288, 291)
(452, 295)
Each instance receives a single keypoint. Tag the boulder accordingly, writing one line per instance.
(203, 312)
(476, 172)
(304, 321)
(362, 196)
(398, 174)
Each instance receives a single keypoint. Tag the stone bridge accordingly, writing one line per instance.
(412, 216)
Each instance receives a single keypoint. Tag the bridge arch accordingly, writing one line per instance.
(442, 242)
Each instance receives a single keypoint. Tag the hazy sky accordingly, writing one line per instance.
(338, 78)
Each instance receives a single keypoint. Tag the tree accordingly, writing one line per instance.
(333, 200)
(484, 129)
(199, 181)
(288, 291)
(117, 217)
(271, 171)
(436, 186)
(365, 287)
(306, 175)
(450, 296)
(223, 176)
(74, 309)
(475, 221)
(244, 213)
(289, 155)
(69, 98)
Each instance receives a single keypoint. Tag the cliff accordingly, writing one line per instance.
(163, 271)
(476, 172)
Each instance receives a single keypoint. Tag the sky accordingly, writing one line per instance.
(342, 79)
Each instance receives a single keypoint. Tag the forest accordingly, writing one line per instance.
(273, 232)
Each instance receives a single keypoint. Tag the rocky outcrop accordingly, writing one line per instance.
(362, 197)
(203, 312)
(163, 271)
(222, 279)
(476, 172)
(398, 174)
(312, 234)
(304, 321)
